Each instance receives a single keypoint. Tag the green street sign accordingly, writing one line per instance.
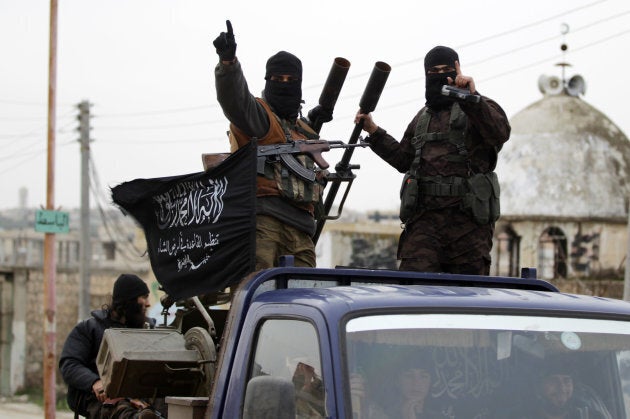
(48, 221)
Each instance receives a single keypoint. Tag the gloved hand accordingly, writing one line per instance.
(225, 44)
(318, 113)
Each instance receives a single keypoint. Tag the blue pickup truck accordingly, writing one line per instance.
(354, 343)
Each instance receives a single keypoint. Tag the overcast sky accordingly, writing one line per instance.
(146, 66)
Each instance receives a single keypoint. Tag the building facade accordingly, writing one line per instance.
(565, 187)
(22, 293)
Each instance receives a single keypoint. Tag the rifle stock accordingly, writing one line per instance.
(367, 104)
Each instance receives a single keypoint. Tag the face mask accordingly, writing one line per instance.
(284, 98)
(433, 92)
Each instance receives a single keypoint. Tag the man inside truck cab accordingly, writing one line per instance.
(559, 395)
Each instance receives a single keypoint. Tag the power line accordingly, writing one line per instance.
(114, 230)
(160, 112)
(41, 130)
(505, 53)
(154, 127)
(529, 65)
(477, 41)
(153, 141)
(530, 25)
(557, 56)
(510, 71)
(29, 156)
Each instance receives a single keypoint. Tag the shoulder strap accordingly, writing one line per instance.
(418, 140)
(304, 128)
(422, 126)
(457, 133)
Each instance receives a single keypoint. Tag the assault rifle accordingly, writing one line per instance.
(343, 169)
(285, 152)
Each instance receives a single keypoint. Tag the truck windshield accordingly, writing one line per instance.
(487, 366)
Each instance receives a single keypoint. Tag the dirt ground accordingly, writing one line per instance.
(17, 408)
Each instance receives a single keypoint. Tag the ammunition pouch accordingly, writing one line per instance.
(292, 186)
(481, 200)
(409, 197)
(479, 194)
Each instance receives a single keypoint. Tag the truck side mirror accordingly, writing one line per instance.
(269, 397)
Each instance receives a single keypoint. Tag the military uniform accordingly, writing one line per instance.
(440, 235)
(283, 225)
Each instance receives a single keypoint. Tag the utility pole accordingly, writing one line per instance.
(50, 267)
(85, 251)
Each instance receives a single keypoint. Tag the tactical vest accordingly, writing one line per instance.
(276, 179)
(479, 192)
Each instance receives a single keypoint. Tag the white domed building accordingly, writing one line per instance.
(565, 187)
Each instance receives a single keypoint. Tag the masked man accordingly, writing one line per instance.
(450, 194)
(285, 203)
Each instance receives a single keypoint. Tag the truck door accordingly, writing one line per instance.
(282, 372)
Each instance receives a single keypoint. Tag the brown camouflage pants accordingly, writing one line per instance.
(275, 239)
(446, 240)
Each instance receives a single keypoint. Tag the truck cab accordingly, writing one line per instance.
(355, 343)
(336, 343)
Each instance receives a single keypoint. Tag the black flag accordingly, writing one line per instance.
(200, 228)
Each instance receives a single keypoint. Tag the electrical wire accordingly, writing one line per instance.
(151, 141)
(115, 231)
(161, 112)
(482, 60)
(29, 156)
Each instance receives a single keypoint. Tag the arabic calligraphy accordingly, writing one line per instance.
(186, 262)
(59, 219)
(49, 221)
(190, 203)
(180, 245)
(461, 372)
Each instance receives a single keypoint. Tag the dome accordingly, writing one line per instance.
(564, 159)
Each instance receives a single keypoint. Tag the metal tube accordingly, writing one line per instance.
(371, 95)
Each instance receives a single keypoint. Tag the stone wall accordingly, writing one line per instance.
(610, 288)
(67, 286)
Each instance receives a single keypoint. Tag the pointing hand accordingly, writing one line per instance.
(462, 81)
(225, 44)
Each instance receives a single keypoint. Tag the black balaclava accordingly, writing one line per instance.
(284, 97)
(438, 56)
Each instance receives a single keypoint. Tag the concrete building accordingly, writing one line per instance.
(565, 180)
(565, 185)
(22, 288)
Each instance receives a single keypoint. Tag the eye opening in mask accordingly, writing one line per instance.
(438, 69)
(284, 78)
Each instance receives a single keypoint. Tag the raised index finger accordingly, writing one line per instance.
(229, 27)
(458, 70)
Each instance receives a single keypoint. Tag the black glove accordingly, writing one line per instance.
(225, 44)
(319, 114)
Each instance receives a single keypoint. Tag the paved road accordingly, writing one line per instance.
(25, 410)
